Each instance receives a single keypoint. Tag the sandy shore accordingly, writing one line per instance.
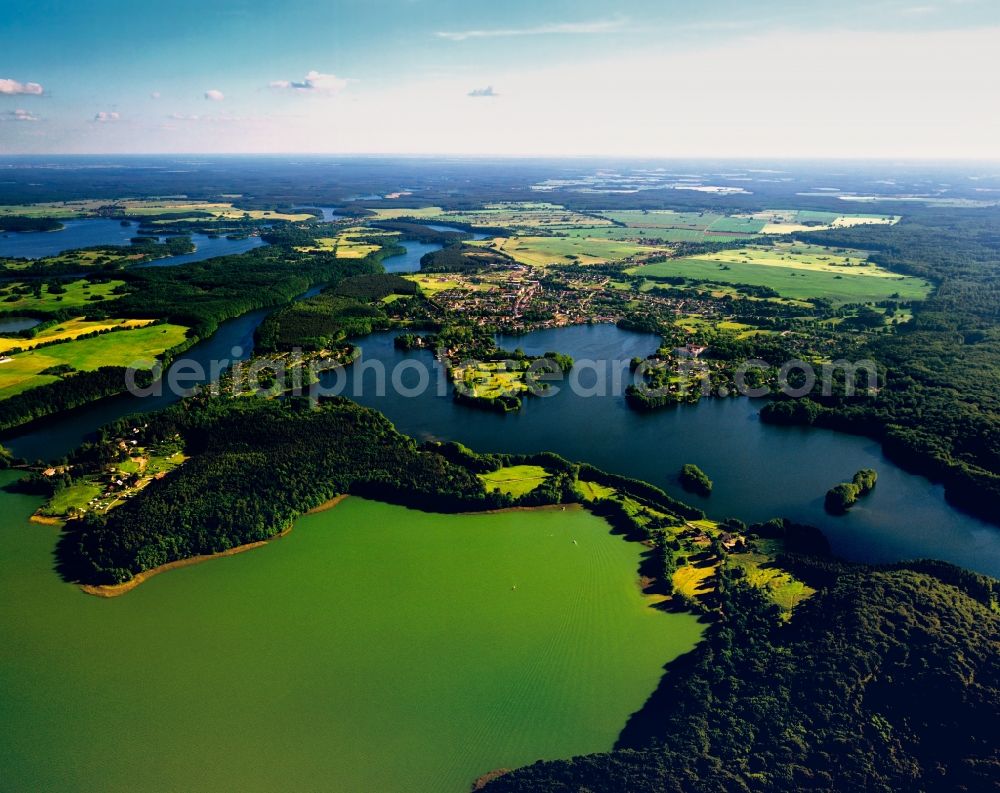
(45, 520)
(327, 504)
(544, 508)
(116, 590)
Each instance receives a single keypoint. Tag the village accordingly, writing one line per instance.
(134, 468)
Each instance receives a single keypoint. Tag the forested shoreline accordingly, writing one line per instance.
(935, 412)
(199, 296)
(886, 679)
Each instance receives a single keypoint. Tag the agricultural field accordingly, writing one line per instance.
(20, 297)
(689, 226)
(796, 271)
(637, 226)
(787, 221)
(520, 215)
(122, 348)
(707, 226)
(660, 234)
(515, 480)
(546, 251)
(349, 243)
(71, 329)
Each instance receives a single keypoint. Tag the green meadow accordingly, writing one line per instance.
(515, 480)
(664, 233)
(374, 648)
(543, 251)
(798, 272)
(121, 348)
(78, 293)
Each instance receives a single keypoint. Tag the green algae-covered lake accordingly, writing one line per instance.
(374, 648)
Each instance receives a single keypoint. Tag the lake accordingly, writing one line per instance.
(15, 324)
(87, 232)
(373, 648)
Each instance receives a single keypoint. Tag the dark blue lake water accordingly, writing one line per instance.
(105, 231)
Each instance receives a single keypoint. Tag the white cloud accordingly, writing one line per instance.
(214, 95)
(314, 82)
(200, 118)
(10, 87)
(154, 95)
(106, 116)
(19, 115)
(563, 28)
(481, 92)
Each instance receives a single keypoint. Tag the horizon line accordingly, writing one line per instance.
(525, 156)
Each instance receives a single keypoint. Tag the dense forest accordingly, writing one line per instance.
(256, 465)
(350, 307)
(886, 680)
(462, 258)
(203, 294)
(21, 223)
(694, 480)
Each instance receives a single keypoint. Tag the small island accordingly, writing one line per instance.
(842, 497)
(694, 480)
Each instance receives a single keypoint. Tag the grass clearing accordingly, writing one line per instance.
(78, 294)
(786, 591)
(694, 580)
(591, 491)
(515, 480)
(489, 380)
(350, 243)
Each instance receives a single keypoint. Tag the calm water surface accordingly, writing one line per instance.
(14, 324)
(87, 232)
(373, 649)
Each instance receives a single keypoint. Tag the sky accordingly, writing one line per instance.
(644, 78)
